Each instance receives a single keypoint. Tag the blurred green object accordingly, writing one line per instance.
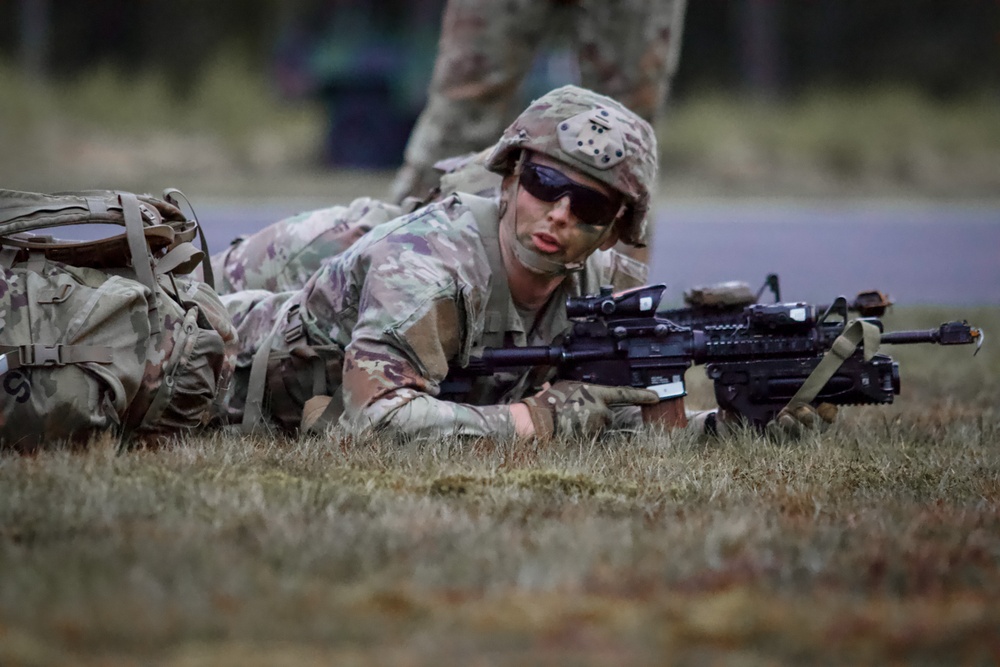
(369, 67)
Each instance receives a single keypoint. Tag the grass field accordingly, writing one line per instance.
(877, 542)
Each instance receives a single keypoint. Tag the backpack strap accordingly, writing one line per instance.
(291, 327)
(171, 195)
(288, 323)
(13, 213)
(142, 261)
(182, 259)
(8, 256)
(496, 320)
(14, 357)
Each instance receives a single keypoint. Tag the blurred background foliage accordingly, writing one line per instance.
(779, 94)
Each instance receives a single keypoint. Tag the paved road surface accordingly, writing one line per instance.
(919, 254)
(934, 254)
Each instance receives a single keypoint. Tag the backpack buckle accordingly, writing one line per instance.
(293, 325)
(43, 355)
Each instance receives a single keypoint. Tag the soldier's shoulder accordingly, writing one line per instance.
(468, 173)
(444, 232)
(458, 213)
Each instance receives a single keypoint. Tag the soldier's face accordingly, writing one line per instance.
(552, 228)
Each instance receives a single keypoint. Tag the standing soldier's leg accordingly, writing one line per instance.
(630, 50)
(485, 50)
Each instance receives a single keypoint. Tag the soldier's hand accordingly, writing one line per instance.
(570, 407)
(795, 420)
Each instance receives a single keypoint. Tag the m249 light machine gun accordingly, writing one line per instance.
(779, 353)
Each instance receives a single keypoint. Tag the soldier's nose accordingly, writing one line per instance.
(560, 213)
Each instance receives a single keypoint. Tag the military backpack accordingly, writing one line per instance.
(106, 335)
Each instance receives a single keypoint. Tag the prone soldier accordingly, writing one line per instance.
(368, 339)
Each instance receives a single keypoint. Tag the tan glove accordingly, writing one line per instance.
(795, 420)
(570, 407)
(789, 422)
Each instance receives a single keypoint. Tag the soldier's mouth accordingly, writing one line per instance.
(546, 243)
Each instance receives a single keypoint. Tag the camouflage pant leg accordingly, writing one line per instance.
(486, 49)
(282, 256)
(630, 50)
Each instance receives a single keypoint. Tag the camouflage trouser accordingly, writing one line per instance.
(282, 256)
(628, 50)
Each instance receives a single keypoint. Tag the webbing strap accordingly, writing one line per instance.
(141, 258)
(484, 211)
(290, 325)
(183, 258)
(137, 240)
(857, 332)
(171, 195)
(7, 257)
(253, 409)
(97, 206)
(15, 212)
(35, 262)
(13, 357)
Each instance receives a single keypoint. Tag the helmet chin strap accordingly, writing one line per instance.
(531, 258)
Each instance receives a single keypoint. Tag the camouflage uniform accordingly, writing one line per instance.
(628, 50)
(284, 255)
(377, 326)
(404, 301)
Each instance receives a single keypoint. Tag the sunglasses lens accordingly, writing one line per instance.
(593, 208)
(549, 185)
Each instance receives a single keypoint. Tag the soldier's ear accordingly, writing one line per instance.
(612, 239)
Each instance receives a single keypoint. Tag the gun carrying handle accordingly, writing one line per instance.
(668, 413)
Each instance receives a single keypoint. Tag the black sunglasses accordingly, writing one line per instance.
(587, 204)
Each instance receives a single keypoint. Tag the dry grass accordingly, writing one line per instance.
(877, 542)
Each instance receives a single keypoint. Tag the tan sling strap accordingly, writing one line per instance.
(171, 195)
(857, 332)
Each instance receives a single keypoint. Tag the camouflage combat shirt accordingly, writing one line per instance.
(412, 296)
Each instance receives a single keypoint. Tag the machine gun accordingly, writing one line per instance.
(756, 365)
(724, 303)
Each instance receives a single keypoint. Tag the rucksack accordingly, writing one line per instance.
(110, 334)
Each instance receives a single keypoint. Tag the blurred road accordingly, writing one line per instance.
(919, 253)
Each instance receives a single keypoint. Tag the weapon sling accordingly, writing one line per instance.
(858, 332)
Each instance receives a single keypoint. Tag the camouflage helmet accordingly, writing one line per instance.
(595, 135)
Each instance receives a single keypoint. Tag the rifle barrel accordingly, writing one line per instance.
(536, 355)
(949, 333)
